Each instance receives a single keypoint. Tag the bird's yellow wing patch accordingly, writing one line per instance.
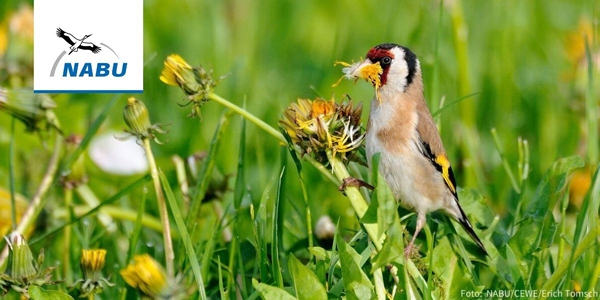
(446, 171)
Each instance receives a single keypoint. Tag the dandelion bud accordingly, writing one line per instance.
(21, 262)
(136, 117)
(31, 109)
(22, 270)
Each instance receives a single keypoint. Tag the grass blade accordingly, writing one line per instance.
(207, 168)
(137, 228)
(276, 264)
(443, 108)
(185, 237)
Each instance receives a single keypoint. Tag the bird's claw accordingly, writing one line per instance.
(355, 182)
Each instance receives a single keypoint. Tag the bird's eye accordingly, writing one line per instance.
(386, 60)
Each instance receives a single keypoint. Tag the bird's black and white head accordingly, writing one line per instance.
(391, 68)
(86, 36)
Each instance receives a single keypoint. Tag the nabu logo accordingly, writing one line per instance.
(86, 69)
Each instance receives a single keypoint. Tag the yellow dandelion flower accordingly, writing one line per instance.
(176, 71)
(576, 41)
(321, 107)
(580, 185)
(147, 275)
(3, 38)
(196, 82)
(6, 210)
(92, 261)
(318, 125)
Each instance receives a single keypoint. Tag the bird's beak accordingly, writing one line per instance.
(369, 71)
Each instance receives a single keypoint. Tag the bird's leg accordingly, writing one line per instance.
(351, 181)
(420, 223)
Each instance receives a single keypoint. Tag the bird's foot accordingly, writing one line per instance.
(355, 182)
(410, 250)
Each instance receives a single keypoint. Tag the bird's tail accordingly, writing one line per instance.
(464, 221)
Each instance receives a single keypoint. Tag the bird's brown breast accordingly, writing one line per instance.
(394, 123)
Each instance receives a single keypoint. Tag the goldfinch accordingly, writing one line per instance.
(401, 128)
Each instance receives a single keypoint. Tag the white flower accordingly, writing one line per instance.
(119, 157)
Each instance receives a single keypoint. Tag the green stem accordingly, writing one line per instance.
(308, 220)
(11, 174)
(356, 200)
(591, 111)
(117, 212)
(162, 207)
(250, 117)
(270, 130)
(67, 237)
(38, 201)
(90, 198)
(460, 39)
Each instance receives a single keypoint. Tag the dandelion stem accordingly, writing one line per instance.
(11, 174)
(270, 130)
(162, 207)
(67, 237)
(356, 200)
(116, 212)
(250, 117)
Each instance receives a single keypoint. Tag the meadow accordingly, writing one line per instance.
(513, 86)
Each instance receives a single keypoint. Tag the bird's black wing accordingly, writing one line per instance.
(90, 46)
(65, 36)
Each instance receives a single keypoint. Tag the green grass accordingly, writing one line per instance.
(519, 120)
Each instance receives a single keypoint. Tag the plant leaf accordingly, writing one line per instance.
(529, 236)
(270, 292)
(356, 282)
(38, 293)
(306, 283)
(393, 248)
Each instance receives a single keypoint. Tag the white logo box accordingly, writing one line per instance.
(83, 46)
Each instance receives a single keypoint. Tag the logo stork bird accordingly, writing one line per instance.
(76, 43)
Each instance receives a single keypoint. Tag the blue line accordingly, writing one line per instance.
(88, 91)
